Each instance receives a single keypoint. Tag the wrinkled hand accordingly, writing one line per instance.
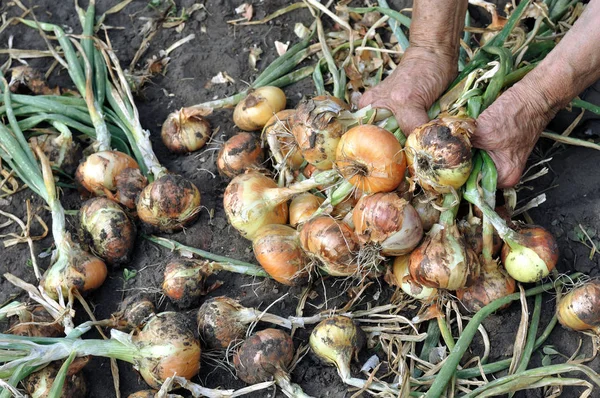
(417, 82)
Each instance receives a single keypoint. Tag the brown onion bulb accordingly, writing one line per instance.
(388, 222)
(107, 230)
(317, 131)
(263, 355)
(278, 134)
(439, 153)
(332, 243)
(184, 281)
(302, 207)
(39, 384)
(493, 283)
(401, 277)
(185, 130)
(240, 153)
(254, 111)
(371, 159)
(134, 311)
(472, 230)
(580, 308)
(169, 203)
(424, 207)
(36, 322)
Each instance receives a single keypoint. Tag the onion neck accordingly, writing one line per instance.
(254, 315)
(366, 115)
(450, 203)
(276, 196)
(290, 389)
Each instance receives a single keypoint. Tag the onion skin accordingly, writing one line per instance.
(169, 203)
(134, 311)
(580, 308)
(473, 234)
(439, 153)
(218, 322)
(184, 281)
(317, 131)
(254, 111)
(400, 276)
(52, 149)
(143, 394)
(169, 347)
(277, 249)
(107, 230)
(302, 207)
(279, 126)
(371, 159)
(38, 384)
(389, 222)
(492, 284)
(36, 323)
(331, 242)
(185, 131)
(241, 152)
(429, 214)
(533, 258)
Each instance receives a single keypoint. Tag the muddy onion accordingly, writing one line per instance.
(580, 308)
(277, 249)
(65, 155)
(278, 134)
(36, 323)
(424, 207)
(332, 243)
(39, 384)
(402, 278)
(371, 159)
(240, 153)
(302, 207)
(254, 111)
(336, 341)
(493, 283)
(184, 281)
(185, 131)
(169, 203)
(439, 153)
(134, 311)
(388, 222)
(107, 230)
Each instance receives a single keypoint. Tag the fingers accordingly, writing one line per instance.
(409, 117)
(509, 171)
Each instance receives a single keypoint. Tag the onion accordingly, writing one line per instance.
(60, 150)
(580, 308)
(332, 243)
(492, 284)
(134, 311)
(254, 111)
(252, 200)
(144, 394)
(277, 249)
(472, 230)
(371, 159)
(109, 173)
(388, 223)
(345, 207)
(429, 214)
(439, 153)
(317, 131)
(532, 256)
(401, 277)
(167, 347)
(36, 323)
(107, 230)
(336, 341)
(240, 153)
(39, 384)
(278, 134)
(184, 281)
(302, 208)
(169, 203)
(185, 130)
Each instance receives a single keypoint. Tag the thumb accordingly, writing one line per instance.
(409, 118)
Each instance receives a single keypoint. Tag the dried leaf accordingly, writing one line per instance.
(281, 48)
(301, 31)
(222, 78)
(254, 56)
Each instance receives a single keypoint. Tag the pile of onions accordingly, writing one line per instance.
(400, 276)
(254, 111)
(580, 308)
(184, 281)
(186, 130)
(39, 384)
(241, 152)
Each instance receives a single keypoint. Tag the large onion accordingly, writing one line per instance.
(254, 111)
(532, 256)
(240, 153)
(185, 130)
(580, 308)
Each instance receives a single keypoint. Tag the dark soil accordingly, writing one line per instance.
(572, 187)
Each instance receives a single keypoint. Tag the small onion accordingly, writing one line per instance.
(277, 249)
(169, 203)
(336, 341)
(332, 243)
(254, 111)
(184, 281)
(532, 256)
(439, 153)
(492, 284)
(107, 230)
(65, 155)
(580, 308)
(302, 207)
(472, 230)
(134, 311)
(240, 153)
(278, 134)
(36, 322)
(185, 130)
(39, 384)
(429, 214)
(371, 159)
(402, 278)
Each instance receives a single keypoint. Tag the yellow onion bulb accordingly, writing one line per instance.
(279, 128)
(39, 383)
(254, 111)
(241, 152)
(388, 222)
(532, 257)
(371, 159)
(493, 283)
(402, 278)
(36, 322)
(185, 131)
(580, 308)
(332, 243)
(169, 203)
(184, 281)
(317, 131)
(107, 230)
(168, 347)
(302, 207)
(336, 341)
(428, 213)
(443, 260)
(439, 153)
(277, 249)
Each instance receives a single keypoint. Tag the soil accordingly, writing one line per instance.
(572, 187)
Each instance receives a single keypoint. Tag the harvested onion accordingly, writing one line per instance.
(428, 213)
(39, 384)
(184, 281)
(493, 283)
(60, 149)
(401, 277)
(302, 208)
(283, 146)
(254, 111)
(185, 130)
(36, 322)
(134, 311)
(580, 308)
(240, 153)
(532, 256)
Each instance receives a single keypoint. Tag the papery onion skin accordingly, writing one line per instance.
(254, 111)
(345, 207)
(36, 323)
(331, 242)
(107, 230)
(184, 132)
(473, 234)
(279, 125)
(302, 207)
(580, 308)
(52, 149)
(218, 322)
(389, 222)
(492, 284)
(371, 159)
(241, 152)
(184, 281)
(439, 153)
(277, 249)
(429, 214)
(169, 203)
(535, 257)
(39, 384)
(168, 347)
(402, 278)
